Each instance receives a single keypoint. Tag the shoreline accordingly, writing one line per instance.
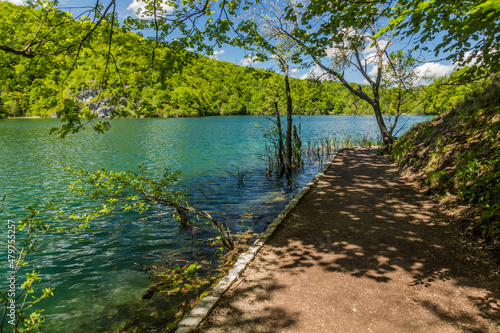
(204, 308)
(226, 115)
(362, 241)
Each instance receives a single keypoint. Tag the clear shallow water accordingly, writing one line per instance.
(95, 273)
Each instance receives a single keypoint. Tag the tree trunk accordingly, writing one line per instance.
(495, 79)
(387, 138)
(289, 110)
(183, 218)
(298, 146)
(281, 154)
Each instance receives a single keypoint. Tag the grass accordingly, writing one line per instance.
(319, 150)
(457, 157)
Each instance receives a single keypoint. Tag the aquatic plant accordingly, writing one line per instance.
(180, 276)
(319, 150)
(275, 149)
(238, 176)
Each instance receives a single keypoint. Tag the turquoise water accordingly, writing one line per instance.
(96, 272)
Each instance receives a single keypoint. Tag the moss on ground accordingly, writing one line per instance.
(457, 157)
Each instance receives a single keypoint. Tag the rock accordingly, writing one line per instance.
(101, 107)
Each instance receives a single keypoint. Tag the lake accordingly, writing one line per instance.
(96, 272)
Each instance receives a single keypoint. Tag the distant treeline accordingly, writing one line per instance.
(138, 78)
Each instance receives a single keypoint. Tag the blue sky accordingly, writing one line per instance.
(227, 53)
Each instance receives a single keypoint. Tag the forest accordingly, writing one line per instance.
(173, 84)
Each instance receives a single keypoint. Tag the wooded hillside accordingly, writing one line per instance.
(457, 157)
(139, 78)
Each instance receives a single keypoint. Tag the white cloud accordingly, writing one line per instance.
(423, 71)
(369, 52)
(331, 51)
(371, 59)
(373, 72)
(248, 60)
(315, 72)
(216, 54)
(139, 6)
(372, 49)
(434, 68)
(16, 2)
(471, 59)
(294, 70)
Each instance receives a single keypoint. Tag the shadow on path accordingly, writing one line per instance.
(362, 252)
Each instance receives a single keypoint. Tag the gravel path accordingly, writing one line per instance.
(363, 251)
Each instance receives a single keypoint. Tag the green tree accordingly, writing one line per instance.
(342, 33)
(401, 81)
(130, 191)
(334, 37)
(470, 31)
(441, 96)
(123, 77)
(270, 21)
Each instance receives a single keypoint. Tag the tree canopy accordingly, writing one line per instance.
(470, 30)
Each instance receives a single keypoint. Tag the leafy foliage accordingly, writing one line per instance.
(131, 191)
(441, 96)
(403, 92)
(472, 30)
(334, 36)
(29, 230)
(457, 156)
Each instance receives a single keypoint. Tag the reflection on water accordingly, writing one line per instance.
(95, 272)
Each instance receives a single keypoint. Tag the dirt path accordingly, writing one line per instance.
(362, 252)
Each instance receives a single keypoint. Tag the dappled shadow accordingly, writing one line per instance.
(233, 316)
(489, 306)
(373, 222)
(364, 221)
(462, 320)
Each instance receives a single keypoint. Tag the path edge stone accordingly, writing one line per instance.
(203, 309)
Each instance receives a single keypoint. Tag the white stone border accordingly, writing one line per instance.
(191, 321)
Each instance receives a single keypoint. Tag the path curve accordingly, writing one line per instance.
(363, 251)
